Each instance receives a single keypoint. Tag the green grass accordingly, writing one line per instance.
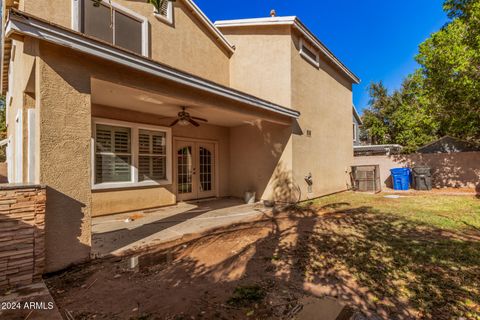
(446, 212)
(399, 250)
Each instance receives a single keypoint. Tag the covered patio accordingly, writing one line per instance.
(117, 235)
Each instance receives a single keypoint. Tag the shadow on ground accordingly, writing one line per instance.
(382, 266)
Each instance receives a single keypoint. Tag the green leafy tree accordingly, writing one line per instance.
(402, 117)
(442, 97)
(450, 64)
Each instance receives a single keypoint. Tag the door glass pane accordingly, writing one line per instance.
(97, 21)
(184, 170)
(128, 32)
(206, 169)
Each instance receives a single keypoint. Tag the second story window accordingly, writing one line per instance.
(116, 25)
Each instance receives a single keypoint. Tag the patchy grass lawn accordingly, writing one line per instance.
(414, 257)
(417, 253)
(446, 212)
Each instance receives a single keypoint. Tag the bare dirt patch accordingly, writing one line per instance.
(379, 266)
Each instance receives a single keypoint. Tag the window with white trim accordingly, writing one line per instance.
(355, 132)
(114, 24)
(129, 154)
(309, 53)
(152, 155)
(113, 156)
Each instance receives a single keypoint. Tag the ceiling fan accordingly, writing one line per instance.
(184, 119)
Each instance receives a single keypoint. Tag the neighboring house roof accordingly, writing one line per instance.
(357, 116)
(297, 24)
(448, 144)
(377, 149)
(28, 25)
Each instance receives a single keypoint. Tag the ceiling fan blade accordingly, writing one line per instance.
(193, 122)
(174, 122)
(199, 119)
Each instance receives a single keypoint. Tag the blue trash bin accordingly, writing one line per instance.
(401, 178)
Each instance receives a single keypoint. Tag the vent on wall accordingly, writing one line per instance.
(309, 53)
(309, 133)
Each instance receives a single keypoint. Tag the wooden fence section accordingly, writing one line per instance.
(22, 239)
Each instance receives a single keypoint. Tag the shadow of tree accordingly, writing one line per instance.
(384, 266)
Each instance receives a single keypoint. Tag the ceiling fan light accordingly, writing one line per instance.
(183, 122)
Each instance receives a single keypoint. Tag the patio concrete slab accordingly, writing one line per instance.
(127, 232)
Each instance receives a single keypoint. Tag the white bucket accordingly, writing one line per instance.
(250, 197)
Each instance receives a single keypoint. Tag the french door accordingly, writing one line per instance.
(195, 170)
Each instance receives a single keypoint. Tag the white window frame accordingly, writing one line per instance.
(77, 20)
(355, 129)
(303, 44)
(134, 127)
(169, 18)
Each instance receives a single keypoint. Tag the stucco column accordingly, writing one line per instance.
(63, 91)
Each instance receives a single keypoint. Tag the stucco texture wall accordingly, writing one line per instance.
(186, 44)
(457, 170)
(22, 70)
(261, 63)
(261, 161)
(324, 97)
(65, 130)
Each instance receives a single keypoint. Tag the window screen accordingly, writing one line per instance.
(113, 26)
(97, 21)
(128, 32)
(152, 155)
(113, 156)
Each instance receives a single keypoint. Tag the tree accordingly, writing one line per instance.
(450, 64)
(402, 117)
(442, 97)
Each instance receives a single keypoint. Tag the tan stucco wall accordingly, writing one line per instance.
(186, 45)
(22, 68)
(115, 201)
(261, 161)
(324, 98)
(267, 63)
(458, 170)
(261, 63)
(65, 117)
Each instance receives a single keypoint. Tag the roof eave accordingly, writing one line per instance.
(28, 25)
(210, 25)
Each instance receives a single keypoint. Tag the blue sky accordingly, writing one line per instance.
(376, 39)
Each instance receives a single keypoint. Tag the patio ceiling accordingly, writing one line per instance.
(123, 97)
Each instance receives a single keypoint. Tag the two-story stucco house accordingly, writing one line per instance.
(116, 108)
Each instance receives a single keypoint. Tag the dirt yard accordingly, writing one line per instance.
(370, 253)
